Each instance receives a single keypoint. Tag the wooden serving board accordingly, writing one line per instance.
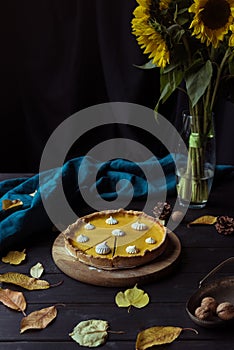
(116, 278)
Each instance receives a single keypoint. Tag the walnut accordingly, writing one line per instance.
(203, 313)
(225, 311)
(210, 303)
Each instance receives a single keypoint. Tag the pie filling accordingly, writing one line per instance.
(121, 234)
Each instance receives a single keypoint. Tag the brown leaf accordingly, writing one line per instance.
(38, 319)
(204, 220)
(9, 204)
(12, 299)
(156, 336)
(24, 281)
(14, 257)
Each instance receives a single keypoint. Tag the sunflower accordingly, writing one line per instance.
(147, 36)
(212, 20)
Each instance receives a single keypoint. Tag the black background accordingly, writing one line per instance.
(59, 57)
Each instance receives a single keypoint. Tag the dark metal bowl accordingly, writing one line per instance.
(221, 289)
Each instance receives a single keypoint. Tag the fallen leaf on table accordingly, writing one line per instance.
(14, 257)
(158, 335)
(37, 270)
(204, 220)
(12, 299)
(132, 297)
(38, 319)
(24, 281)
(9, 204)
(90, 333)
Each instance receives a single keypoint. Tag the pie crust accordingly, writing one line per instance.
(116, 239)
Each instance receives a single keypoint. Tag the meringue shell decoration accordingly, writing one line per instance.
(118, 233)
(132, 249)
(111, 221)
(139, 226)
(82, 238)
(102, 248)
(150, 240)
(89, 226)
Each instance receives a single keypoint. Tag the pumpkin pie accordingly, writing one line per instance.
(115, 239)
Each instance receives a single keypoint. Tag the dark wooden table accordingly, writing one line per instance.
(202, 249)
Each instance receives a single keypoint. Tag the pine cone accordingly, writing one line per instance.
(225, 225)
(162, 211)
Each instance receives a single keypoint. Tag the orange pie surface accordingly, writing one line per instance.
(118, 239)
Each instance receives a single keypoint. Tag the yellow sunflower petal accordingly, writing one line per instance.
(147, 37)
(212, 20)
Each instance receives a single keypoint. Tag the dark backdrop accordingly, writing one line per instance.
(60, 56)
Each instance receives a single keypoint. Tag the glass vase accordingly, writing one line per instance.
(195, 168)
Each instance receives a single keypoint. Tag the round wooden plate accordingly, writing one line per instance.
(116, 278)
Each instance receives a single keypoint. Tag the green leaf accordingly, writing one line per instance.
(148, 65)
(176, 32)
(90, 333)
(169, 82)
(197, 80)
(37, 270)
(132, 297)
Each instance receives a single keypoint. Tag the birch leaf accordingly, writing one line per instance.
(14, 257)
(204, 220)
(132, 297)
(38, 319)
(156, 336)
(37, 270)
(90, 333)
(12, 299)
(24, 281)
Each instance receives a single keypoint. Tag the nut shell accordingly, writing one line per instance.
(225, 311)
(203, 313)
(210, 303)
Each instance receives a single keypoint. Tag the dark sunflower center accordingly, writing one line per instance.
(215, 14)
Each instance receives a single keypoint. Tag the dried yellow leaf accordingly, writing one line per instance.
(132, 297)
(9, 204)
(24, 281)
(12, 299)
(204, 220)
(14, 257)
(156, 336)
(38, 319)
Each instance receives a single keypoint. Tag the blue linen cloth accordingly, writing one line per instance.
(21, 223)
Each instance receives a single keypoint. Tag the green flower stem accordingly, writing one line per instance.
(193, 185)
(219, 72)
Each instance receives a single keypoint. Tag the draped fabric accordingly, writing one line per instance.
(32, 218)
(59, 57)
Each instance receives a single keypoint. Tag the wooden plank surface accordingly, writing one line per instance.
(152, 271)
(202, 249)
